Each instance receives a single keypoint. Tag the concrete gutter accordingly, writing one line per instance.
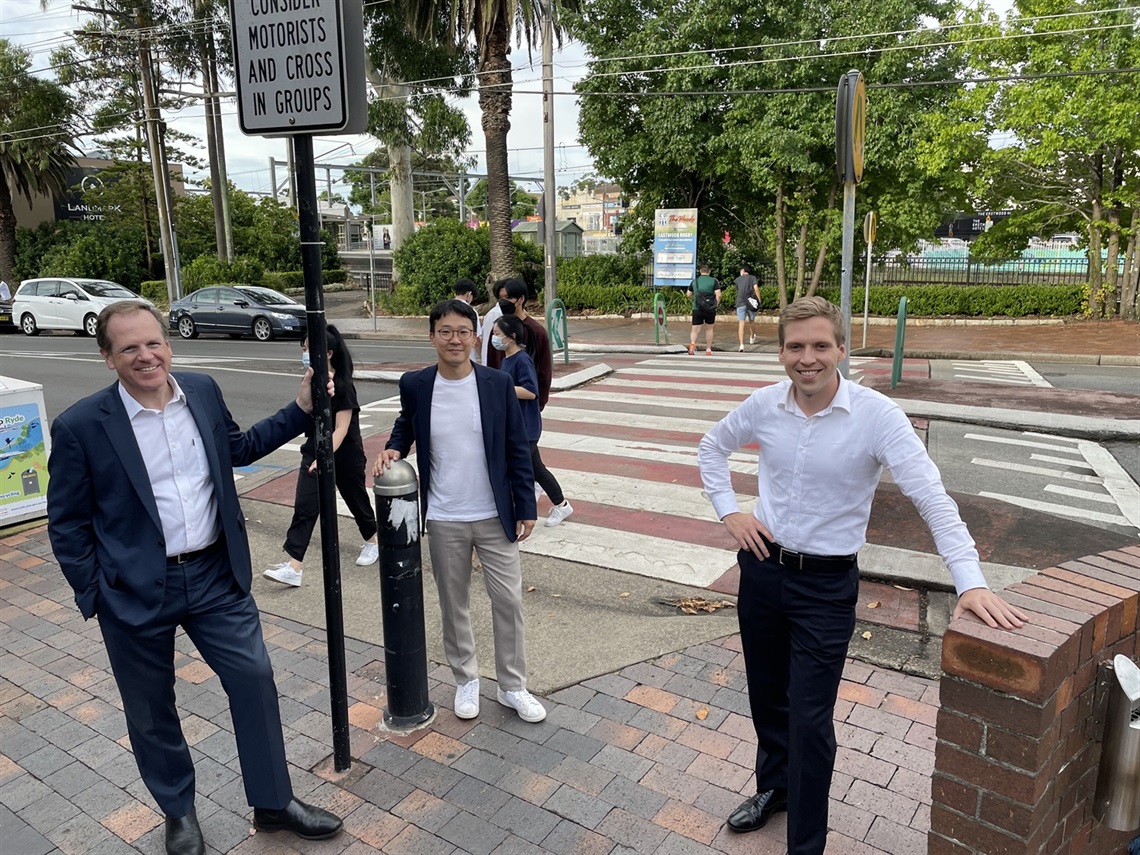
(1082, 427)
(923, 570)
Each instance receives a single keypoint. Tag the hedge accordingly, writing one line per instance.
(155, 291)
(1012, 301)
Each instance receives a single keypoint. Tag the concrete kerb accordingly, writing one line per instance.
(1080, 427)
(1028, 356)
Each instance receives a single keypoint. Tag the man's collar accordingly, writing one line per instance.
(133, 407)
(841, 399)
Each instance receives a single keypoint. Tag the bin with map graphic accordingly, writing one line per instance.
(24, 448)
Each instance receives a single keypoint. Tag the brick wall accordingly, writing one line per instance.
(1017, 754)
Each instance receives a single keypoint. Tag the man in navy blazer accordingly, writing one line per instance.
(146, 525)
(476, 492)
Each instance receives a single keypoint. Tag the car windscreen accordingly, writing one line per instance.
(108, 289)
(267, 297)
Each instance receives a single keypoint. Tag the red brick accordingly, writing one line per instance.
(1014, 784)
(1036, 606)
(939, 845)
(1008, 661)
(688, 821)
(1080, 592)
(708, 741)
(956, 795)
(1022, 751)
(960, 730)
(1074, 571)
(1108, 571)
(857, 693)
(655, 699)
(1129, 556)
(975, 835)
(1050, 596)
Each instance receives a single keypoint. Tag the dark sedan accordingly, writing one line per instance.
(238, 311)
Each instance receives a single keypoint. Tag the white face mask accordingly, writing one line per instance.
(498, 342)
(305, 358)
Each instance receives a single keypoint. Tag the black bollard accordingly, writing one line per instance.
(402, 597)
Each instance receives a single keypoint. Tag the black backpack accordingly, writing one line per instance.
(706, 300)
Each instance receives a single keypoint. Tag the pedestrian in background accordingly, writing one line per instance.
(705, 291)
(823, 444)
(476, 492)
(349, 464)
(537, 341)
(145, 522)
(464, 289)
(489, 356)
(510, 337)
(747, 302)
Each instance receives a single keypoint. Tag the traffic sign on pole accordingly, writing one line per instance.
(299, 66)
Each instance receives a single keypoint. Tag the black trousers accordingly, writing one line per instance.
(349, 469)
(544, 477)
(795, 626)
(203, 598)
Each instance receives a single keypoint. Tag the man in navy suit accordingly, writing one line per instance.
(477, 491)
(146, 525)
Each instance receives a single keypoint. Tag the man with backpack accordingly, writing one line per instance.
(705, 291)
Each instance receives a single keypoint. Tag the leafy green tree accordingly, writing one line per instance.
(523, 204)
(729, 107)
(99, 253)
(489, 24)
(36, 143)
(1068, 156)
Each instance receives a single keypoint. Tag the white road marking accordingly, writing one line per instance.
(637, 494)
(555, 411)
(644, 450)
(1046, 458)
(1028, 443)
(668, 401)
(1061, 510)
(742, 391)
(1116, 480)
(1086, 495)
(1037, 470)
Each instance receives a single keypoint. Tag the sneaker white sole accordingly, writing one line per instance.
(532, 720)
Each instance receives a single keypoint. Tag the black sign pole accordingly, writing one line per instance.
(322, 416)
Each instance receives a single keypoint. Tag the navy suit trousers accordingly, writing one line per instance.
(795, 626)
(203, 598)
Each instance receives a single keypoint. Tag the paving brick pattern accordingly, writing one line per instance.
(649, 760)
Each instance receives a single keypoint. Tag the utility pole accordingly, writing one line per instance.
(549, 214)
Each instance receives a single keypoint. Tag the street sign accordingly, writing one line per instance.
(299, 66)
(870, 223)
(674, 246)
(850, 126)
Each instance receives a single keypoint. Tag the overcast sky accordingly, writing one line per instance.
(247, 158)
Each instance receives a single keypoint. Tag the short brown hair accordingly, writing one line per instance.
(813, 307)
(123, 307)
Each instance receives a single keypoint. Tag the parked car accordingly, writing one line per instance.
(236, 311)
(6, 320)
(65, 303)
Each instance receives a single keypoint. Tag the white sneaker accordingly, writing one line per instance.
(524, 703)
(752, 339)
(467, 699)
(558, 513)
(369, 554)
(741, 349)
(285, 574)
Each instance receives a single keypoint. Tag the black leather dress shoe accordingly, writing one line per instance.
(755, 813)
(184, 836)
(307, 821)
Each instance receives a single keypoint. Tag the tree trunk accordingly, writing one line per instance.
(7, 235)
(821, 256)
(1112, 264)
(214, 105)
(781, 234)
(494, 70)
(1096, 265)
(1131, 276)
(801, 259)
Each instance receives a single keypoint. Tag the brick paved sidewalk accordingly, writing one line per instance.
(649, 760)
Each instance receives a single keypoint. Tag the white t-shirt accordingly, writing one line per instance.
(460, 488)
(493, 314)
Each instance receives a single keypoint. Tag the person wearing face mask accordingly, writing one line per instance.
(349, 463)
(509, 337)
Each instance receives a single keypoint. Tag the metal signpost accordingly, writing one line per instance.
(870, 223)
(299, 67)
(850, 121)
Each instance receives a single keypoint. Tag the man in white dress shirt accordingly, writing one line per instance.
(823, 445)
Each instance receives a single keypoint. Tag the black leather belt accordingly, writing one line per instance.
(183, 557)
(805, 561)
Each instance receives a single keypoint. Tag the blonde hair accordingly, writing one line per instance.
(813, 307)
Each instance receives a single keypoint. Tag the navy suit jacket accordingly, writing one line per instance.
(504, 441)
(102, 517)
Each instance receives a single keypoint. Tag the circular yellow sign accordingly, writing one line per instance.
(858, 126)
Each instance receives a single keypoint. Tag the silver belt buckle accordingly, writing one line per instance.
(798, 555)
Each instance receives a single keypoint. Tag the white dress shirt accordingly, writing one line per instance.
(175, 460)
(818, 474)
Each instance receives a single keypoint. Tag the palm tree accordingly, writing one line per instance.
(36, 143)
(490, 22)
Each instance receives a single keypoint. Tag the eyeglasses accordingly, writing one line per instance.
(447, 334)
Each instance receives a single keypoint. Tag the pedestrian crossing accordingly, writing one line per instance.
(1011, 372)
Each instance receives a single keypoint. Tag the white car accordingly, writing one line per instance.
(65, 303)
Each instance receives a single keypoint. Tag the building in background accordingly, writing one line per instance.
(599, 212)
(569, 235)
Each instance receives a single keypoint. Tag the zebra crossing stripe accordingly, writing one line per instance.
(639, 495)
(656, 557)
(1060, 510)
(1116, 480)
(555, 411)
(1028, 443)
(1036, 470)
(704, 405)
(646, 450)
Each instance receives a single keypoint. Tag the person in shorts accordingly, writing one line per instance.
(746, 286)
(705, 291)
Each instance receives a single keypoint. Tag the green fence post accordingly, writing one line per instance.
(558, 330)
(900, 340)
(660, 318)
